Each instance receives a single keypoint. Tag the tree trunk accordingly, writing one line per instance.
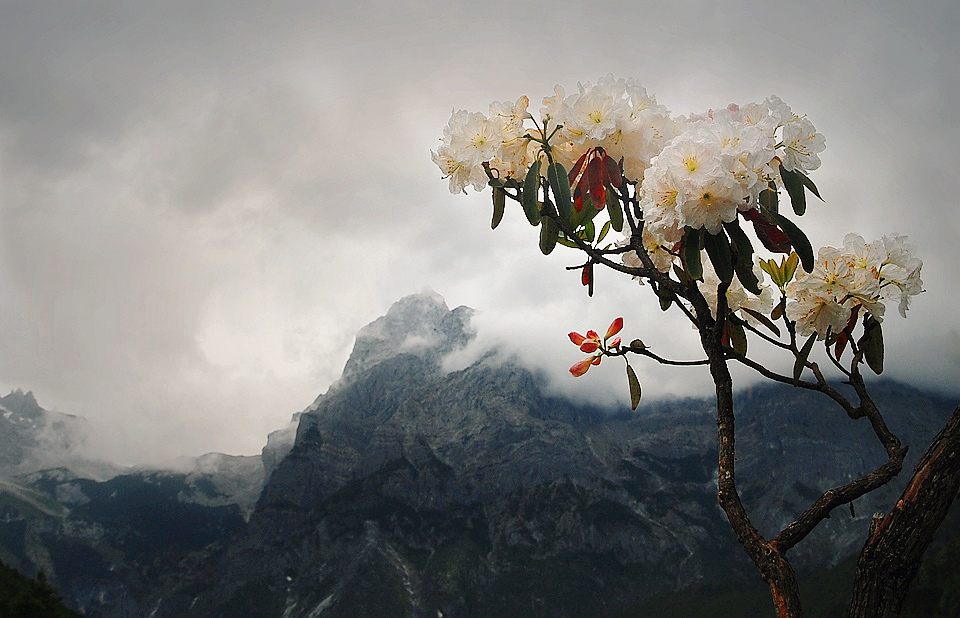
(891, 556)
(769, 559)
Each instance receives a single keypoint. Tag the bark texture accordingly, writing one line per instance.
(891, 556)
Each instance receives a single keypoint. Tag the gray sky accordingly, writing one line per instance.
(201, 202)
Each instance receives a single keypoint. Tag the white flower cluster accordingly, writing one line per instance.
(615, 114)
(719, 163)
(860, 274)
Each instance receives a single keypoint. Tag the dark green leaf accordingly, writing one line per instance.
(769, 198)
(589, 212)
(759, 317)
(531, 185)
(741, 244)
(743, 250)
(691, 253)
(794, 186)
(802, 357)
(872, 344)
(666, 298)
(557, 177)
(615, 210)
(682, 275)
(499, 204)
(634, 387)
(797, 238)
(809, 184)
(747, 277)
(738, 338)
(718, 249)
(548, 235)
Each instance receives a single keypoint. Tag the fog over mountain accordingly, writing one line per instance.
(201, 204)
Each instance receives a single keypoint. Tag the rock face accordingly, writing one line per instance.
(413, 492)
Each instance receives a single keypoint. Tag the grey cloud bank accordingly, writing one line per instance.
(201, 203)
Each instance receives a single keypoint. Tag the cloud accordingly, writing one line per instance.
(200, 205)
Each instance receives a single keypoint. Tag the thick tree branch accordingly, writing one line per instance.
(895, 546)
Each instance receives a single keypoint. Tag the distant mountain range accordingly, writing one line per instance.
(405, 490)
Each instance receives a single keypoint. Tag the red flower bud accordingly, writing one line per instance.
(615, 328)
(581, 368)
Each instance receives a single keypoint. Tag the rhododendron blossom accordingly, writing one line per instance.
(861, 274)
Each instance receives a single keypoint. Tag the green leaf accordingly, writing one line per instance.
(615, 210)
(589, 232)
(682, 275)
(794, 187)
(738, 338)
(634, 387)
(604, 231)
(531, 185)
(747, 277)
(872, 344)
(769, 198)
(790, 267)
(797, 238)
(743, 264)
(691, 253)
(666, 298)
(777, 312)
(741, 244)
(809, 184)
(557, 177)
(549, 232)
(759, 317)
(802, 357)
(566, 242)
(718, 249)
(499, 205)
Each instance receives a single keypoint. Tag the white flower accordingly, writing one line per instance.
(816, 313)
(801, 143)
(594, 113)
(900, 272)
(861, 274)
(469, 140)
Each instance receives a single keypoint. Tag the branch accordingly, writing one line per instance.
(663, 361)
(832, 498)
(821, 387)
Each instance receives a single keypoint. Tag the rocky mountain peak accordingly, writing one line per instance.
(419, 324)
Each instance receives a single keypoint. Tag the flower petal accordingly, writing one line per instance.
(576, 338)
(615, 327)
(589, 346)
(581, 368)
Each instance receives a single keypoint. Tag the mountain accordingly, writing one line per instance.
(407, 490)
(105, 535)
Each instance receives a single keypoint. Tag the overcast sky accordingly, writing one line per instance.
(201, 202)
